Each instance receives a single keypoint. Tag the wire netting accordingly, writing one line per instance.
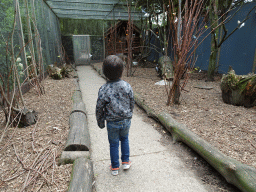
(6, 40)
(49, 31)
(22, 23)
(97, 48)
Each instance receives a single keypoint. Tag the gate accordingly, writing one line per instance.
(82, 49)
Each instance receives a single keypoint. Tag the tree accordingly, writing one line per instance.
(218, 17)
(186, 31)
(183, 22)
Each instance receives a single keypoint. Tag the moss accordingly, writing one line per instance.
(56, 76)
(246, 84)
(72, 174)
(239, 89)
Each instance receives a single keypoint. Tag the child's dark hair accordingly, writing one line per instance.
(113, 67)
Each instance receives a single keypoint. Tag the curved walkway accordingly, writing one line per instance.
(155, 166)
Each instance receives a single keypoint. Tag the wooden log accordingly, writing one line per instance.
(78, 138)
(77, 87)
(68, 157)
(28, 117)
(236, 173)
(77, 96)
(79, 107)
(166, 67)
(141, 103)
(238, 89)
(82, 176)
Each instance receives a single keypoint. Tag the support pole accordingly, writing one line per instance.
(129, 42)
(31, 47)
(104, 43)
(114, 19)
(21, 36)
(38, 43)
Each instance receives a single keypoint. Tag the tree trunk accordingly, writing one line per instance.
(212, 62)
(129, 43)
(213, 15)
(176, 97)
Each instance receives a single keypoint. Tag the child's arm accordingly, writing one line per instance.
(100, 111)
(132, 102)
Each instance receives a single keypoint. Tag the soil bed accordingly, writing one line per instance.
(40, 144)
(231, 129)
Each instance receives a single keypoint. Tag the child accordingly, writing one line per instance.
(115, 104)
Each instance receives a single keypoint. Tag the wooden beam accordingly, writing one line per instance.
(82, 176)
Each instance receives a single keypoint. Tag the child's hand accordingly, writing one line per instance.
(101, 124)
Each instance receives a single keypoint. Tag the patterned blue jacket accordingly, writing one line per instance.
(115, 102)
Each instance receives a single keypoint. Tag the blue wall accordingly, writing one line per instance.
(238, 50)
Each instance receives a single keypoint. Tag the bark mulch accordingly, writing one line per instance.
(29, 155)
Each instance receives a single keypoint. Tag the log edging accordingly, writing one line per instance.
(81, 176)
(78, 137)
(79, 106)
(235, 172)
(68, 157)
(77, 148)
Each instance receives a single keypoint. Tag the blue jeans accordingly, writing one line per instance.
(118, 131)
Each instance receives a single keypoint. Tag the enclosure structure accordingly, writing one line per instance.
(31, 40)
(116, 39)
(37, 37)
(82, 49)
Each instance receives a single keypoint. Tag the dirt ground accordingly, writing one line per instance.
(29, 156)
(231, 129)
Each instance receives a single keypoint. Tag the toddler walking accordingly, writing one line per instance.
(115, 104)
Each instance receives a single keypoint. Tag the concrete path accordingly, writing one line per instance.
(155, 167)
